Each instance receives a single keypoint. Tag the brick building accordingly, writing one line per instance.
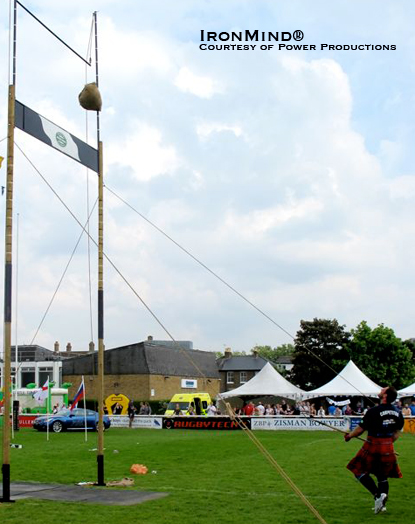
(234, 371)
(149, 370)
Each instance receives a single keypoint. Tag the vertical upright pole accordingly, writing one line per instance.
(8, 274)
(8, 298)
(100, 447)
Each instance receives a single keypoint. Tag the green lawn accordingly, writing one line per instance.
(212, 477)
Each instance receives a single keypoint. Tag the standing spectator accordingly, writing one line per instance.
(177, 411)
(211, 410)
(338, 412)
(331, 410)
(321, 412)
(348, 411)
(131, 413)
(260, 409)
(144, 409)
(406, 411)
(269, 411)
(412, 407)
(117, 410)
(359, 409)
(297, 409)
(289, 410)
(249, 409)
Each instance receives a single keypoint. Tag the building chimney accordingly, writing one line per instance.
(228, 352)
(68, 347)
(91, 347)
(150, 338)
(255, 353)
(56, 347)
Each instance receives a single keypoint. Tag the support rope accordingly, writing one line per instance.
(267, 455)
(63, 274)
(89, 55)
(113, 265)
(187, 252)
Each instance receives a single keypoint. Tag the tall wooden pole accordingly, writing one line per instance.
(100, 446)
(7, 330)
(8, 298)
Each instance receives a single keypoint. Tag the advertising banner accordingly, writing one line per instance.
(43, 129)
(220, 423)
(299, 423)
(26, 421)
(142, 421)
(354, 421)
(409, 426)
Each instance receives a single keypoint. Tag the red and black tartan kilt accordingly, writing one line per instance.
(377, 456)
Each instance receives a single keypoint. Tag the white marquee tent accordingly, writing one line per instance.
(268, 382)
(409, 391)
(349, 382)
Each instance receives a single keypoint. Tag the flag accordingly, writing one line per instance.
(43, 393)
(79, 395)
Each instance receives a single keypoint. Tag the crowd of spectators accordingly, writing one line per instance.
(304, 408)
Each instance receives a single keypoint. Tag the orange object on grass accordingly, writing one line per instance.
(139, 469)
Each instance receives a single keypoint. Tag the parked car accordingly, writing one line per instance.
(66, 419)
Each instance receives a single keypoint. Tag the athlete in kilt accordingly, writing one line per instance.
(383, 424)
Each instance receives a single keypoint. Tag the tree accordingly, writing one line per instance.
(381, 355)
(273, 354)
(410, 344)
(219, 354)
(319, 351)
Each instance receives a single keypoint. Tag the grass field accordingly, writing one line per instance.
(211, 477)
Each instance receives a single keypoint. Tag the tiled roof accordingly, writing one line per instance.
(147, 358)
(241, 363)
(33, 353)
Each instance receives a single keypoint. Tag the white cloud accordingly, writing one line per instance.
(289, 174)
(205, 129)
(198, 85)
(144, 152)
(259, 222)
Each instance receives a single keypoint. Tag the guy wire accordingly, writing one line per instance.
(113, 265)
(192, 256)
(248, 432)
(64, 273)
(187, 252)
(273, 462)
(88, 56)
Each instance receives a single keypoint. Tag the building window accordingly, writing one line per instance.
(44, 374)
(243, 377)
(28, 376)
(229, 377)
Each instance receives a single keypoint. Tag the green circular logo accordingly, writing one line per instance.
(61, 139)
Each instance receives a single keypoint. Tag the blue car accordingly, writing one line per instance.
(66, 419)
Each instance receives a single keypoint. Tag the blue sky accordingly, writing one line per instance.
(290, 174)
